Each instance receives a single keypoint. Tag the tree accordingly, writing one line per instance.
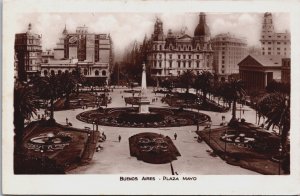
(67, 84)
(79, 78)
(276, 107)
(187, 79)
(234, 91)
(204, 83)
(49, 89)
(24, 108)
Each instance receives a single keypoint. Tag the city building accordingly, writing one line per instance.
(28, 50)
(90, 52)
(273, 43)
(286, 70)
(229, 50)
(172, 54)
(256, 71)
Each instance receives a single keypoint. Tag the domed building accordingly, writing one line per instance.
(171, 54)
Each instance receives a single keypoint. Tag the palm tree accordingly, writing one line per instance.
(276, 107)
(234, 91)
(49, 89)
(204, 83)
(67, 84)
(24, 108)
(187, 79)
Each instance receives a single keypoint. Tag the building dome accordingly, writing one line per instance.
(202, 28)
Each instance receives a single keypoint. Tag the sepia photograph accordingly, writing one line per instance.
(149, 97)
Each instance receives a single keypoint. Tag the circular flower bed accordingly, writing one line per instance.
(129, 117)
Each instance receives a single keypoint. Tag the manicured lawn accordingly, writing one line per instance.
(256, 159)
(36, 158)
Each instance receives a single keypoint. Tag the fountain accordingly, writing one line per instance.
(144, 101)
(143, 116)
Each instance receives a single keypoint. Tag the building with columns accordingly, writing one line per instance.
(28, 51)
(229, 50)
(171, 54)
(272, 42)
(257, 71)
(91, 53)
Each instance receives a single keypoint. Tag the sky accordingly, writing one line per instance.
(125, 28)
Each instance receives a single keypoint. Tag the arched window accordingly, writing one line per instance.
(45, 72)
(96, 73)
(67, 71)
(52, 72)
(73, 72)
(59, 72)
(85, 72)
(103, 73)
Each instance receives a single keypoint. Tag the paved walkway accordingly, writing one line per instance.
(115, 157)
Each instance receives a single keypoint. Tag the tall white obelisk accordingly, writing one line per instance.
(144, 101)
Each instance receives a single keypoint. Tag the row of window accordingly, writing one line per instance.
(271, 48)
(184, 48)
(183, 64)
(85, 72)
(278, 43)
(278, 36)
(179, 56)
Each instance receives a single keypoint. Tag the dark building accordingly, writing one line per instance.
(286, 70)
(28, 52)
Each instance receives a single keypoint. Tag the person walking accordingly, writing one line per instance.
(119, 138)
(175, 136)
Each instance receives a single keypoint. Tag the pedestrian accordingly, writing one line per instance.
(67, 122)
(243, 111)
(119, 138)
(175, 136)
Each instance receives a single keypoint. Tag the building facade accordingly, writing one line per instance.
(91, 53)
(273, 43)
(257, 71)
(286, 70)
(28, 51)
(172, 54)
(229, 50)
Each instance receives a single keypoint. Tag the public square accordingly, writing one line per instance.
(115, 158)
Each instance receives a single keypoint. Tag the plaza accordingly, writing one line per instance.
(115, 157)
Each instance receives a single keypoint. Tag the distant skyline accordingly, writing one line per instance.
(125, 28)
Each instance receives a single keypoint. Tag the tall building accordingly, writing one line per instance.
(28, 51)
(273, 43)
(229, 50)
(172, 54)
(90, 52)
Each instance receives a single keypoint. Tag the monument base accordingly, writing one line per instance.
(144, 106)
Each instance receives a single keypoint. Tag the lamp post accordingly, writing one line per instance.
(279, 160)
(209, 131)
(225, 142)
(198, 102)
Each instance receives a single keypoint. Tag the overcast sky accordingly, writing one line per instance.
(124, 28)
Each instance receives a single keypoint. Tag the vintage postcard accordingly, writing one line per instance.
(144, 97)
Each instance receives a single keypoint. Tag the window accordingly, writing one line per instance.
(285, 43)
(197, 64)
(170, 64)
(263, 48)
(223, 71)
(190, 48)
(184, 64)
(197, 56)
(103, 73)
(223, 62)
(278, 43)
(160, 56)
(269, 48)
(263, 53)
(178, 56)
(223, 66)
(278, 48)
(160, 64)
(263, 42)
(190, 63)
(45, 72)
(59, 72)
(52, 72)
(85, 72)
(183, 56)
(223, 52)
(269, 53)
(279, 36)
(190, 56)
(284, 48)
(269, 42)
(170, 56)
(223, 57)
(278, 53)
